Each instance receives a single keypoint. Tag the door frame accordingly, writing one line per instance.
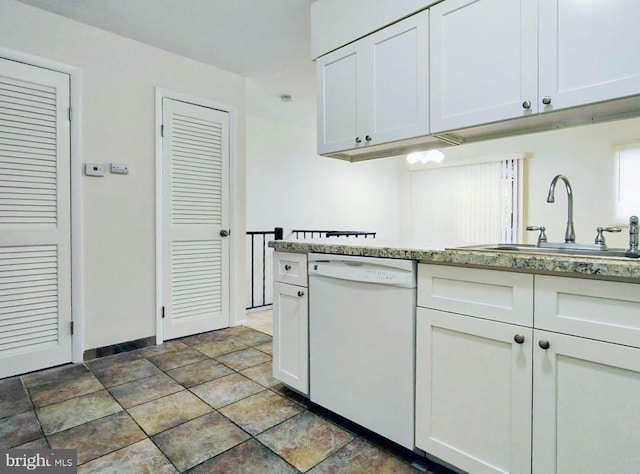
(75, 76)
(234, 223)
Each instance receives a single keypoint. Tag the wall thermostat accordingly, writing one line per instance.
(92, 169)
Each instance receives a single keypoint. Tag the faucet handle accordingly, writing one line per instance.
(600, 238)
(542, 237)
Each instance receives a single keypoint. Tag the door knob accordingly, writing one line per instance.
(519, 338)
(224, 233)
(544, 344)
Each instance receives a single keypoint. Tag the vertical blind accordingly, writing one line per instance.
(466, 204)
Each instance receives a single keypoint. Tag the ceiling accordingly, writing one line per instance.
(268, 41)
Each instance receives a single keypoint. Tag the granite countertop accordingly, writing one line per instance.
(617, 269)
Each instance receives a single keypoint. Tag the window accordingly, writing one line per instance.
(627, 181)
(467, 204)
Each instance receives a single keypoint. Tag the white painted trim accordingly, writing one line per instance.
(233, 202)
(77, 300)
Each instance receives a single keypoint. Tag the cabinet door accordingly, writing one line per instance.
(290, 336)
(340, 86)
(396, 104)
(589, 51)
(473, 392)
(586, 406)
(484, 62)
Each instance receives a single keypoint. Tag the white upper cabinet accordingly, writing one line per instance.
(375, 90)
(338, 92)
(484, 62)
(589, 51)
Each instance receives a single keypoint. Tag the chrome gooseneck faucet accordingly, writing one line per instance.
(569, 235)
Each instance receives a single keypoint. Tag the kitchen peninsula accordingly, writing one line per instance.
(524, 362)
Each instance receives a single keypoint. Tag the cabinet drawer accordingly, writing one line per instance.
(290, 268)
(490, 294)
(603, 310)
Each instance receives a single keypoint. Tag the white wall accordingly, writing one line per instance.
(119, 79)
(290, 186)
(584, 154)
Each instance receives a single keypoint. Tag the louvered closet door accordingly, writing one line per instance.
(195, 209)
(35, 259)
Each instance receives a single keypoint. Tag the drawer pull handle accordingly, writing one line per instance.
(300, 293)
(287, 268)
(519, 338)
(544, 344)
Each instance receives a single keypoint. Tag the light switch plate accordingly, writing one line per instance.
(119, 168)
(92, 169)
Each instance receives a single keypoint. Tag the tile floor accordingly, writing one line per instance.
(203, 404)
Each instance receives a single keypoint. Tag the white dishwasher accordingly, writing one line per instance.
(361, 341)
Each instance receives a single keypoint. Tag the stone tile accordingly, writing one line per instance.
(199, 373)
(262, 374)
(285, 391)
(261, 411)
(267, 348)
(198, 440)
(234, 331)
(218, 348)
(360, 456)
(13, 397)
(249, 457)
(167, 412)
(40, 443)
(143, 390)
(104, 363)
(205, 337)
(81, 383)
(76, 411)
(60, 374)
(226, 390)
(141, 457)
(154, 350)
(243, 359)
(305, 440)
(123, 370)
(98, 437)
(172, 360)
(252, 338)
(19, 429)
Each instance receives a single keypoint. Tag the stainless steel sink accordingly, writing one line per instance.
(524, 248)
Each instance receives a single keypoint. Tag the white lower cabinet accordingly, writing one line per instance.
(291, 320)
(586, 406)
(498, 397)
(473, 392)
(290, 336)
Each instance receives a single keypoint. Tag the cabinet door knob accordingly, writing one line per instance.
(287, 268)
(300, 293)
(526, 104)
(519, 338)
(358, 140)
(368, 138)
(546, 100)
(544, 344)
